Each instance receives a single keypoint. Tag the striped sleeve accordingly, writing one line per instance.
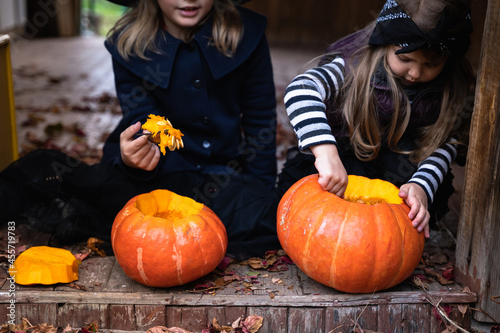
(431, 171)
(305, 103)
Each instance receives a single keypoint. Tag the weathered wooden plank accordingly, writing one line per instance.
(93, 274)
(479, 228)
(147, 316)
(237, 300)
(311, 287)
(119, 281)
(396, 318)
(28, 311)
(47, 313)
(344, 319)
(34, 313)
(225, 315)
(390, 318)
(190, 318)
(416, 317)
(274, 319)
(76, 315)
(281, 283)
(306, 320)
(122, 317)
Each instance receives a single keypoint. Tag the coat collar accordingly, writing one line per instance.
(157, 70)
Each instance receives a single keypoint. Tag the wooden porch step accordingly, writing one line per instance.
(288, 301)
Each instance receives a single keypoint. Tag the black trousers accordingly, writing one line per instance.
(92, 195)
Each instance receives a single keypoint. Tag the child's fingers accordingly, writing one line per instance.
(129, 132)
(339, 189)
(403, 193)
(153, 158)
(333, 185)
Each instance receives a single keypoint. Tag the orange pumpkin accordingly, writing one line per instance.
(360, 244)
(162, 239)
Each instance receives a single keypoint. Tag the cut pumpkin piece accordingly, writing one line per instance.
(44, 265)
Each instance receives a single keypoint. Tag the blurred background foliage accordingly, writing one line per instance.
(98, 16)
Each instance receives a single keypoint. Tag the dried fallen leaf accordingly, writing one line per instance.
(277, 281)
(236, 323)
(357, 330)
(450, 329)
(440, 278)
(438, 258)
(252, 324)
(463, 309)
(163, 329)
(226, 261)
(81, 255)
(25, 325)
(218, 328)
(449, 274)
(94, 244)
(66, 329)
(76, 286)
(44, 328)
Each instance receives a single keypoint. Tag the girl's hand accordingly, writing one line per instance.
(415, 197)
(332, 174)
(138, 153)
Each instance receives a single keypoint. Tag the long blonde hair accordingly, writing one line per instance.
(136, 30)
(359, 107)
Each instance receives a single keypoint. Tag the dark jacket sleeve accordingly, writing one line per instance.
(136, 103)
(258, 103)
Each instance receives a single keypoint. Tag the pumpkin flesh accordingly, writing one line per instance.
(354, 247)
(44, 265)
(161, 239)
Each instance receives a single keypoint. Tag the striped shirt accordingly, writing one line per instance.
(305, 104)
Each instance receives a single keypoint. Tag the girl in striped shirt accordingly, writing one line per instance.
(387, 102)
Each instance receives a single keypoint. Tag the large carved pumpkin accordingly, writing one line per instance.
(360, 244)
(162, 239)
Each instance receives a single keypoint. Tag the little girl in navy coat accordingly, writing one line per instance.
(205, 66)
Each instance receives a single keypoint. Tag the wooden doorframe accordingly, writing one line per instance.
(8, 133)
(478, 238)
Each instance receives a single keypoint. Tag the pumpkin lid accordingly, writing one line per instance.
(44, 265)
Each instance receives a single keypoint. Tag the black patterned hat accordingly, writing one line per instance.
(449, 37)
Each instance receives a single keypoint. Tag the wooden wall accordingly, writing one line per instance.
(314, 21)
(317, 23)
(478, 247)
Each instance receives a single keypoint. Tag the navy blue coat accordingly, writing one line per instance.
(225, 107)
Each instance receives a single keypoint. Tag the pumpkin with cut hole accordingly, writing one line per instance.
(162, 239)
(362, 243)
(44, 265)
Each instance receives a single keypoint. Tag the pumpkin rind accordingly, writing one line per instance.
(44, 265)
(162, 251)
(350, 246)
